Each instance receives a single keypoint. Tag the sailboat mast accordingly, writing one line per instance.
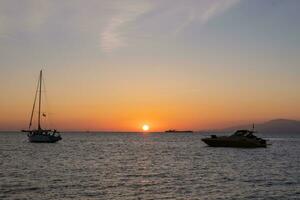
(40, 101)
(33, 107)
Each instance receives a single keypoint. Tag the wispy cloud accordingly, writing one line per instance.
(116, 23)
(205, 11)
(178, 14)
(217, 8)
(113, 34)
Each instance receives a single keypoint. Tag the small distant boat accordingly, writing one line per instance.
(39, 134)
(176, 131)
(240, 139)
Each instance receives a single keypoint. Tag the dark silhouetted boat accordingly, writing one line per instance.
(39, 134)
(240, 139)
(176, 131)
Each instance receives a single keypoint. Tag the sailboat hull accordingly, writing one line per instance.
(43, 138)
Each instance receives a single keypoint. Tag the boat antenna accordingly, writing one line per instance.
(40, 101)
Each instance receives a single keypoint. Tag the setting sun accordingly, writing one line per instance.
(145, 127)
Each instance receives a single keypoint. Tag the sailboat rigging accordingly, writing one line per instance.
(39, 134)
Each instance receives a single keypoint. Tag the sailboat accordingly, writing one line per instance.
(39, 134)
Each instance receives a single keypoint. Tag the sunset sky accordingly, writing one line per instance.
(119, 64)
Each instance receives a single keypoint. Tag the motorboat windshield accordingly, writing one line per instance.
(243, 133)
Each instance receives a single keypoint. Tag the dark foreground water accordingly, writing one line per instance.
(146, 166)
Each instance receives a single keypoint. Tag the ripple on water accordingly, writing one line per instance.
(153, 166)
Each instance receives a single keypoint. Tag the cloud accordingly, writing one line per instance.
(113, 35)
(176, 14)
(116, 23)
(205, 11)
(218, 8)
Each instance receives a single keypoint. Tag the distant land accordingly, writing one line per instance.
(178, 131)
(276, 126)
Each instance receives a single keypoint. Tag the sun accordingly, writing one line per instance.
(146, 127)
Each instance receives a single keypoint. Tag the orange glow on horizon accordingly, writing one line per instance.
(128, 110)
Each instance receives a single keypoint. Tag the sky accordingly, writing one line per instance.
(116, 65)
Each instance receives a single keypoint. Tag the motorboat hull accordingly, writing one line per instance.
(234, 142)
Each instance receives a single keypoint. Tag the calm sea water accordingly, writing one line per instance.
(146, 166)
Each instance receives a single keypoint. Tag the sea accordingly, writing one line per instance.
(129, 166)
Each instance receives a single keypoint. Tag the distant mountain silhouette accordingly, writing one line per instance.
(276, 126)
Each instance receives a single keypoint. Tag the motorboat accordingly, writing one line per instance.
(240, 139)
